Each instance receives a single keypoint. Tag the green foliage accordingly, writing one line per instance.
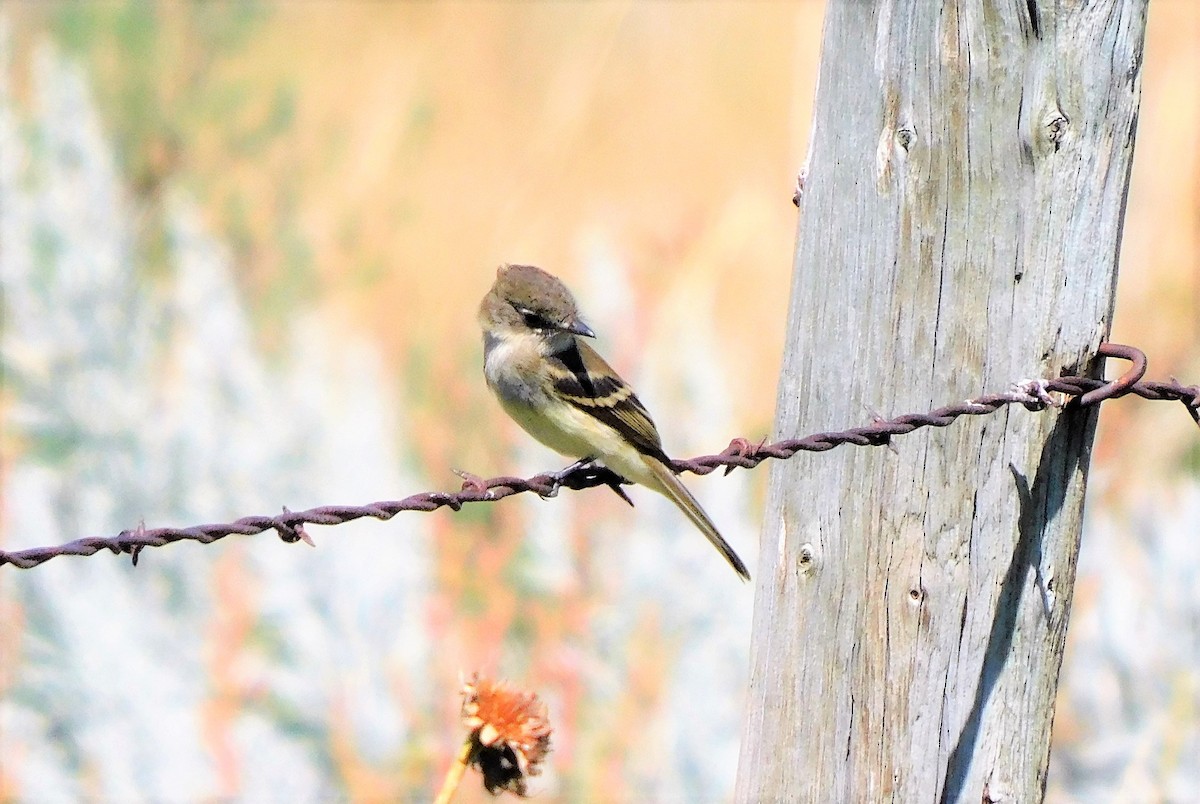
(158, 72)
(1190, 460)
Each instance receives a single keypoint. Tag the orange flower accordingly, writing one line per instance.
(510, 733)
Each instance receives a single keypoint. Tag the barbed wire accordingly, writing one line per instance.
(1034, 395)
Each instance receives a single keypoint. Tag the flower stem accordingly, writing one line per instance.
(454, 774)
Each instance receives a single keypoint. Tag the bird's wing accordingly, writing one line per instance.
(584, 380)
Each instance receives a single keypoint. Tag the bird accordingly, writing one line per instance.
(560, 391)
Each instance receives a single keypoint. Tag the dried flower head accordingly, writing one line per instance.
(510, 733)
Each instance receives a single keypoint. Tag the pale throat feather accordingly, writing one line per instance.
(511, 363)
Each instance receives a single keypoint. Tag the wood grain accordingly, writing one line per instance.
(959, 228)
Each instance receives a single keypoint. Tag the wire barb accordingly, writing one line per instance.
(740, 454)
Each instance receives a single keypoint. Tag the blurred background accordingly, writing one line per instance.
(242, 247)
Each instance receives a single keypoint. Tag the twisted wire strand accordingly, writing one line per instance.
(1034, 395)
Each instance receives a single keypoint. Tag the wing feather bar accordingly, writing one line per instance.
(584, 380)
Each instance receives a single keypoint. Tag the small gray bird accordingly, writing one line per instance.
(563, 394)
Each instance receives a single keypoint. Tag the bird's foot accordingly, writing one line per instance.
(559, 479)
(589, 470)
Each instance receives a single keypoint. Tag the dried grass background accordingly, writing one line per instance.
(243, 249)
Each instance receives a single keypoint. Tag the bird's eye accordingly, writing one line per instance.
(534, 320)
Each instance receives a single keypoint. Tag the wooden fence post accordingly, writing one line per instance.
(959, 229)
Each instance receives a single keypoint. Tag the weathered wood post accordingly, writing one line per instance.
(959, 228)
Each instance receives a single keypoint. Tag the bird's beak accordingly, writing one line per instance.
(579, 328)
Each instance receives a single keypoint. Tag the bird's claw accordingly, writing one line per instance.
(558, 479)
(594, 471)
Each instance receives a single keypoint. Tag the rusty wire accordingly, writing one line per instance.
(1035, 395)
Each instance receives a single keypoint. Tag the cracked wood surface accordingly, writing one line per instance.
(960, 219)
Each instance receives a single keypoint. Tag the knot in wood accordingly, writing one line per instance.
(1055, 126)
(807, 559)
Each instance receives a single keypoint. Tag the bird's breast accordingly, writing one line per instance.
(512, 366)
(519, 375)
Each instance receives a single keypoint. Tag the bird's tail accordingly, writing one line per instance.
(669, 486)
